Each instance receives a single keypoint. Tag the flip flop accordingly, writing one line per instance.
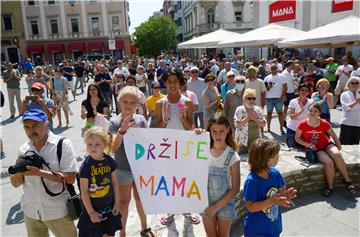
(167, 220)
(195, 219)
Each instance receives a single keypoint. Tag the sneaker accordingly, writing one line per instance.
(12, 116)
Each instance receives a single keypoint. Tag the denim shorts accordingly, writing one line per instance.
(124, 177)
(274, 102)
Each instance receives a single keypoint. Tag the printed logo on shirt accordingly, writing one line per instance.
(99, 183)
(272, 212)
(315, 136)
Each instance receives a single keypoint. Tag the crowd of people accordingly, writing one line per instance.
(224, 98)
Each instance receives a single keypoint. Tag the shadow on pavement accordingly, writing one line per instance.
(60, 130)
(9, 120)
(15, 215)
(341, 200)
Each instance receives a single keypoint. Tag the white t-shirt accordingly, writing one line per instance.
(355, 73)
(349, 116)
(342, 77)
(124, 71)
(140, 80)
(277, 85)
(294, 103)
(220, 160)
(259, 86)
(289, 81)
(279, 67)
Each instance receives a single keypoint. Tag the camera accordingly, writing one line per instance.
(31, 158)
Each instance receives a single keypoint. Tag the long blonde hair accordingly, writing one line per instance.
(102, 134)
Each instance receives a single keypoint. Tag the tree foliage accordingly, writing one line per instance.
(154, 35)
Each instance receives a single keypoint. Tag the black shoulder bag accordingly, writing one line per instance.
(74, 203)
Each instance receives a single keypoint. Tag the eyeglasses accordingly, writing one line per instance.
(156, 87)
(239, 81)
(251, 98)
(231, 76)
(354, 83)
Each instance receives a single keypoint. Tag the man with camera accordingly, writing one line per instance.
(43, 178)
(37, 101)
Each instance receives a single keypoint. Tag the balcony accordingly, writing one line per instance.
(54, 36)
(34, 37)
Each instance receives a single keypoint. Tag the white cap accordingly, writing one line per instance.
(230, 73)
(213, 61)
(194, 68)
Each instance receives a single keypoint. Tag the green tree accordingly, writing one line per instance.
(154, 35)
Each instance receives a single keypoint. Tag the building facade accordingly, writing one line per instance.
(12, 32)
(202, 17)
(58, 30)
(174, 10)
(306, 15)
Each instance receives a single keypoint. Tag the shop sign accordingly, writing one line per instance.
(342, 5)
(282, 10)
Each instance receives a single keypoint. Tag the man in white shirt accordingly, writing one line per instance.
(257, 84)
(290, 94)
(214, 68)
(43, 212)
(278, 65)
(121, 69)
(343, 72)
(222, 77)
(276, 94)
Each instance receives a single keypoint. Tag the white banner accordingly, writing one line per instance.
(170, 168)
(112, 45)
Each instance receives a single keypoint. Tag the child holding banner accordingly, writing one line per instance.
(128, 100)
(175, 111)
(265, 190)
(224, 177)
(99, 187)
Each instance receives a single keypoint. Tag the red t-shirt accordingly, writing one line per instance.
(316, 136)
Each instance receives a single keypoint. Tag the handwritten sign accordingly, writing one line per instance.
(170, 169)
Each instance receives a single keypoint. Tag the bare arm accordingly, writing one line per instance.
(187, 121)
(335, 138)
(158, 115)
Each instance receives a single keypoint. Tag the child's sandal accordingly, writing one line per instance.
(326, 192)
(350, 187)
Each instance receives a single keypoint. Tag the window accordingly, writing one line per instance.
(74, 25)
(8, 26)
(72, 2)
(95, 26)
(115, 23)
(34, 27)
(31, 3)
(54, 26)
(179, 22)
(51, 2)
(238, 16)
(210, 15)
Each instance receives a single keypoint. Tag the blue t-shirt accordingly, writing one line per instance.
(224, 89)
(159, 72)
(59, 85)
(256, 189)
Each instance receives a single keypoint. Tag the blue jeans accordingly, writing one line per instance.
(274, 102)
(290, 139)
(218, 186)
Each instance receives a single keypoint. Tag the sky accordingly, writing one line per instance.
(141, 10)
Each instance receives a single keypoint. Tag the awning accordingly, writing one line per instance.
(96, 45)
(75, 46)
(119, 44)
(35, 49)
(56, 48)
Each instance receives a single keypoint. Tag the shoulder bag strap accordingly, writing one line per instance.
(55, 173)
(69, 187)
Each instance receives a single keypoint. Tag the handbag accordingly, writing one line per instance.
(311, 156)
(74, 202)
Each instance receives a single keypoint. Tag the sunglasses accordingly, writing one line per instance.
(354, 83)
(239, 81)
(156, 87)
(211, 80)
(251, 98)
(231, 76)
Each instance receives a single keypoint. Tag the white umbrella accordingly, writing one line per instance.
(209, 40)
(336, 34)
(261, 37)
